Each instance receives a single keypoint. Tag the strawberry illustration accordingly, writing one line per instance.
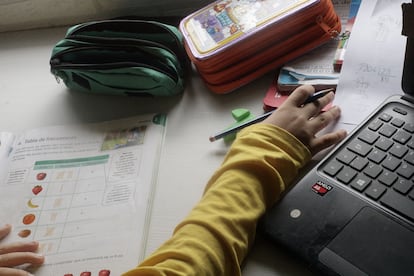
(37, 189)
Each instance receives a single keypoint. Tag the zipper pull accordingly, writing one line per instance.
(54, 62)
(328, 29)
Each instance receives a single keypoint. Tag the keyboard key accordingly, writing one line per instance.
(409, 127)
(375, 125)
(402, 137)
(398, 150)
(346, 175)
(400, 110)
(359, 163)
(384, 143)
(399, 203)
(373, 170)
(387, 178)
(360, 182)
(375, 191)
(410, 157)
(359, 147)
(376, 156)
(403, 186)
(345, 156)
(368, 136)
(385, 117)
(391, 163)
(397, 122)
(406, 170)
(333, 167)
(387, 130)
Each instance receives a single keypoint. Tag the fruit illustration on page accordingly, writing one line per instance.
(24, 233)
(29, 219)
(37, 189)
(31, 204)
(104, 272)
(41, 176)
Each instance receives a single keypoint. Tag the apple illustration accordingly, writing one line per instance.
(41, 176)
(104, 272)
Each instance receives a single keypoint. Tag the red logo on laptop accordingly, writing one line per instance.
(321, 188)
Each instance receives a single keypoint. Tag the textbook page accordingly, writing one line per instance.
(84, 192)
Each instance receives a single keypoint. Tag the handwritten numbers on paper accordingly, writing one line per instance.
(368, 71)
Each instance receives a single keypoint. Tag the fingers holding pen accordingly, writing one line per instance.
(301, 115)
(299, 96)
(315, 107)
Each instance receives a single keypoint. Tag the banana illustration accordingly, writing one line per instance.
(31, 204)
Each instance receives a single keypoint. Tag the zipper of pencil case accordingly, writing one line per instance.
(231, 72)
(119, 42)
(291, 23)
(104, 42)
(116, 65)
(127, 25)
(56, 65)
(239, 80)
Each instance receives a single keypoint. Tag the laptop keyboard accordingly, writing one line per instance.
(378, 162)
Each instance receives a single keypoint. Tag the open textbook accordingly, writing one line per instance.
(83, 191)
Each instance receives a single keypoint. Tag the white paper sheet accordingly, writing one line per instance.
(373, 62)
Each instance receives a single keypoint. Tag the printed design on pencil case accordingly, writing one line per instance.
(228, 18)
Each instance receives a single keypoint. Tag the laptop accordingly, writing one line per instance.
(353, 213)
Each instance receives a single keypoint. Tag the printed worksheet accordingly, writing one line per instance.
(84, 192)
(373, 63)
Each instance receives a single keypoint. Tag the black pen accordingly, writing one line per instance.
(260, 118)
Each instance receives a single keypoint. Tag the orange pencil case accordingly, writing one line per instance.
(232, 42)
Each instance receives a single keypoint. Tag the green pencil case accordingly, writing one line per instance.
(121, 57)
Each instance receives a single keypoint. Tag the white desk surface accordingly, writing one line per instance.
(31, 97)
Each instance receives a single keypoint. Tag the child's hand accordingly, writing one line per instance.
(305, 121)
(18, 253)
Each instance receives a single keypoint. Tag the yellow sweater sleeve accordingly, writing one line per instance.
(217, 234)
